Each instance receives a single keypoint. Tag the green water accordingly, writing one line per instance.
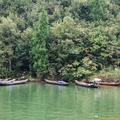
(34, 101)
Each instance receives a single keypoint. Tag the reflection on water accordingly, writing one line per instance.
(51, 102)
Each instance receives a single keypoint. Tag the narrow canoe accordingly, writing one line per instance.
(5, 83)
(91, 85)
(56, 82)
(110, 84)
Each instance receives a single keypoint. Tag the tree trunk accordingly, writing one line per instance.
(39, 76)
(10, 65)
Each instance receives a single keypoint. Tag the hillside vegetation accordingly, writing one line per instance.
(59, 39)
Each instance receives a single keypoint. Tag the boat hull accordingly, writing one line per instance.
(7, 83)
(90, 85)
(109, 84)
(56, 82)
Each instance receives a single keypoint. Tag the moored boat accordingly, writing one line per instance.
(56, 82)
(109, 83)
(91, 85)
(12, 82)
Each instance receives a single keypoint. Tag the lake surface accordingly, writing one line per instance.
(35, 101)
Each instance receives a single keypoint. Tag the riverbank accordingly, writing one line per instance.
(106, 75)
(109, 75)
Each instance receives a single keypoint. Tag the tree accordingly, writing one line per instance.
(8, 35)
(39, 55)
(21, 50)
(67, 49)
(97, 9)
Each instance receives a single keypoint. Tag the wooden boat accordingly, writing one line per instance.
(91, 85)
(56, 82)
(12, 82)
(109, 84)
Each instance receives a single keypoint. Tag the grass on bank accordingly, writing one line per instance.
(108, 75)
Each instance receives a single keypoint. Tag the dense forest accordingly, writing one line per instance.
(67, 39)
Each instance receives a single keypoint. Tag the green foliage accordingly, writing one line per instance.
(84, 37)
(8, 35)
(97, 9)
(65, 3)
(80, 10)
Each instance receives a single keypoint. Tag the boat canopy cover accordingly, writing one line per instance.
(96, 80)
(10, 82)
(61, 81)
